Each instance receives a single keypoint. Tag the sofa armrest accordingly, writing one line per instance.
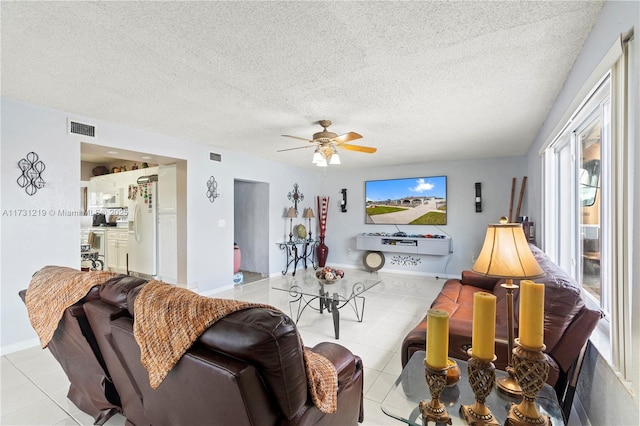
(346, 363)
(480, 281)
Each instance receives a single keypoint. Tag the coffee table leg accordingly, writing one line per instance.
(323, 299)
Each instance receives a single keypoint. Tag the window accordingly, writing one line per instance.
(576, 185)
(588, 218)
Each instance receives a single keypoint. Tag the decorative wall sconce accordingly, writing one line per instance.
(31, 177)
(478, 197)
(212, 189)
(296, 196)
(343, 203)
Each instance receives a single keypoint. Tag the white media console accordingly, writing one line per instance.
(417, 245)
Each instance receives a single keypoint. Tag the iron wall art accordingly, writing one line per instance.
(31, 177)
(296, 196)
(212, 189)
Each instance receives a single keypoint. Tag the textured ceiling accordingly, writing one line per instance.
(421, 81)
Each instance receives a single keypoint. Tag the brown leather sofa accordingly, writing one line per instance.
(245, 369)
(568, 322)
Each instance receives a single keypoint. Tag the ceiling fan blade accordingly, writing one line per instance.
(297, 137)
(359, 148)
(291, 149)
(351, 136)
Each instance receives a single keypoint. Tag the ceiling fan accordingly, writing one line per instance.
(326, 144)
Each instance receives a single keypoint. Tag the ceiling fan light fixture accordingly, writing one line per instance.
(325, 152)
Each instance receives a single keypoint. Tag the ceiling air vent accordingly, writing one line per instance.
(215, 157)
(75, 128)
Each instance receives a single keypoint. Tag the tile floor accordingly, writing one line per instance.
(34, 386)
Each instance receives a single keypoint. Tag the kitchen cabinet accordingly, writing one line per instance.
(117, 246)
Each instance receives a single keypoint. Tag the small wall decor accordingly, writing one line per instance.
(478, 197)
(296, 196)
(31, 177)
(343, 202)
(212, 189)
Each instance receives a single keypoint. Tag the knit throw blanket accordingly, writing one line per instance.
(169, 319)
(52, 290)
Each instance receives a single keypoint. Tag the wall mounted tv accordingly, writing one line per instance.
(409, 201)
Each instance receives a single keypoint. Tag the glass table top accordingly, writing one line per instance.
(344, 289)
(411, 387)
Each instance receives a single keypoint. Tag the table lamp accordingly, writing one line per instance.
(291, 213)
(506, 254)
(308, 214)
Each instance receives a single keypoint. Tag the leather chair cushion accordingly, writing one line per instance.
(115, 290)
(268, 339)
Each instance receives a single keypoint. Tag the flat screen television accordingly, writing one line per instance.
(408, 201)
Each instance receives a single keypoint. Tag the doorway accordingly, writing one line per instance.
(251, 227)
(93, 156)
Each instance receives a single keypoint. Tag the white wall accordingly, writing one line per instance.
(605, 398)
(466, 227)
(31, 242)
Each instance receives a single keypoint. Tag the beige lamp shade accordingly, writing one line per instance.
(308, 213)
(292, 212)
(506, 254)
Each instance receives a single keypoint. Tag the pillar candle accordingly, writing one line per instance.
(531, 314)
(483, 334)
(437, 338)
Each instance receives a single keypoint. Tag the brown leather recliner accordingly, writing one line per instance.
(74, 346)
(568, 322)
(100, 315)
(245, 369)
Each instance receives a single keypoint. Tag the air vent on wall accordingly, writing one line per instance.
(73, 127)
(215, 157)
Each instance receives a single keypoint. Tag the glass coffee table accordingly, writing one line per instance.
(308, 291)
(411, 387)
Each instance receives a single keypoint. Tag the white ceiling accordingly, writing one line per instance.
(421, 81)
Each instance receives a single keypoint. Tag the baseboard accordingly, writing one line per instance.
(15, 347)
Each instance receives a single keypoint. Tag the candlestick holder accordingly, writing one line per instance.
(434, 410)
(531, 369)
(509, 384)
(482, 379)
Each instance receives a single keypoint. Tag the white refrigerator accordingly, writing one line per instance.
(143, 227)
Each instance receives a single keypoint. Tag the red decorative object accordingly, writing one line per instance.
(322, 251)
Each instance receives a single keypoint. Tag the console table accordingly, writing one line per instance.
(435, 246)
(373, 259)
(299, 250)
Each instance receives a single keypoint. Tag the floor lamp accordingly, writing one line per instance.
(506, 254)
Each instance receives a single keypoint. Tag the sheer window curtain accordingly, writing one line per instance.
(620, 219)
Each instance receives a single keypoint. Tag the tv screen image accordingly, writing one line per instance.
(408, 201)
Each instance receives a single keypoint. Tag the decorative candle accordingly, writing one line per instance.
(483, 334)
(531, 314)
(437, 338)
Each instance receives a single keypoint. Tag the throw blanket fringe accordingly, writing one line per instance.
(169, 319)
(52, 290)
